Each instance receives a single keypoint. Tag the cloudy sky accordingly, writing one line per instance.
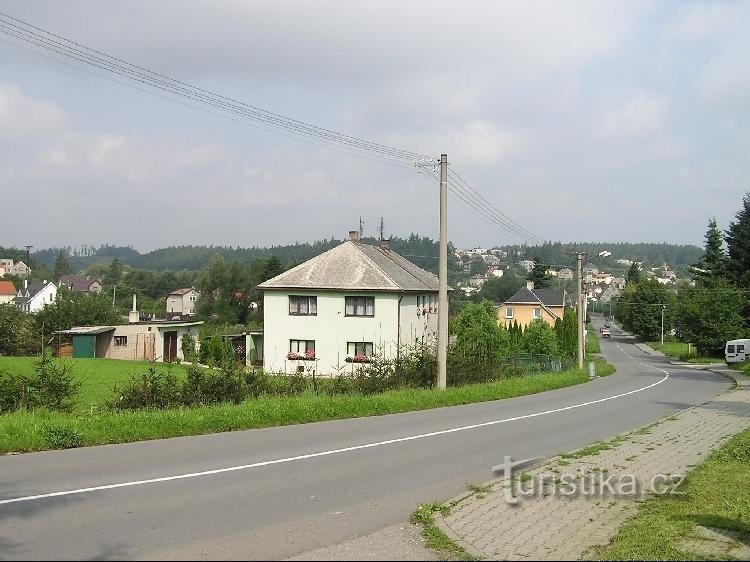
(617, 121)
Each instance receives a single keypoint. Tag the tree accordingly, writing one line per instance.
(62, 267)
(634, 274)
(75, 309)
(738, 245)
(645, 310)
(713, 264)
(478, 267)
(271, 269)
(711, 314)
(539, 275)
(500, 289)
(566, 331)
(539, 339)
(477, 333)
(16, 331)
(114, 273)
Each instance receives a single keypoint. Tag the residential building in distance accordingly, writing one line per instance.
(344, 306)
(33, 297)
(477, 280)
(81, 284)
(528, 265)
(7, 291)
(565, 273)
(181, 303)
(10, 267)
(529, 304)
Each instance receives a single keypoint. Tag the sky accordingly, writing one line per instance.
(601, 120)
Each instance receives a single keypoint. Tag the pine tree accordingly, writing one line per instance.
(713, 264)
(62, 267)
(634, 274)
(738, 245)
(539, 275)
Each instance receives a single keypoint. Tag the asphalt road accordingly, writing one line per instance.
(308, 492)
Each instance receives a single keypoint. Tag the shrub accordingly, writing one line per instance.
(55, 386)
(153, 389)
(59, 437)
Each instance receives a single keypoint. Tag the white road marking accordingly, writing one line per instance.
(323, 453)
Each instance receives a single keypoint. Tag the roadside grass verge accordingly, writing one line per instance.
(680, 350)
(592, 341)
(25, 431)
(715, 495)
(743, 368)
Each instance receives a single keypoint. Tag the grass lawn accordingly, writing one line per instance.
(743, 368)
(679, 350)
(97, 376)
(717, 495)
(25, 431)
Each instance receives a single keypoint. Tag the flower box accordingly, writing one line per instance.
(309, 356)
(358, 359)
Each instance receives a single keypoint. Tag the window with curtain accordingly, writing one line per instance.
(303, 306)
(359, 306)
(301, 346)
(354, 348)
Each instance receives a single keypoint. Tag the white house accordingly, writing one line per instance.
(9, 267)
(181, 303)
(343, 306)
(528, 265)
(35, 296)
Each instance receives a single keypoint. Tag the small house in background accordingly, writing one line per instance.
(7, 291)
(565, 273)
(11, 267)
(33, 297)
(529, 304)
(477, 280)
(526, 265)
(81, 284)
(181, 303)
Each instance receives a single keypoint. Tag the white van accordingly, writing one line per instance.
(737, 351)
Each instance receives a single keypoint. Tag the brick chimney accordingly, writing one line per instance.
(354, 235)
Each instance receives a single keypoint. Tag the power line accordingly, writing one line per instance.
(154, 82)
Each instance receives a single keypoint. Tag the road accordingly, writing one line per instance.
(277, 492)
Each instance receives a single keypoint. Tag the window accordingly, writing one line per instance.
(354, 348)
(741, 348)
(730, 349)
(303, 306)
(537, 313)
(302, 346)
(360, 306)
(509, 312)
(193, 298)
(121, 341)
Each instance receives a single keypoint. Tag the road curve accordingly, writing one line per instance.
(277, 492)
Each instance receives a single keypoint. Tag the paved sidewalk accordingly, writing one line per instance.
(550, 525)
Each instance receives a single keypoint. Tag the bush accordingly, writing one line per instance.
(58, 437)
(153, 389)
(53, 386)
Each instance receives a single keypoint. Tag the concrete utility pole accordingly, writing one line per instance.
(442, 351)
(580, 256)
(662, 324)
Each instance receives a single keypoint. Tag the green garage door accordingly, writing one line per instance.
(84, 346)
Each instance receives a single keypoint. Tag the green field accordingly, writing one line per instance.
(716, 495)
(25, 431)
(97, 376)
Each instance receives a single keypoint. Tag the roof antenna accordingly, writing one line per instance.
(382, 229)
(361, 228)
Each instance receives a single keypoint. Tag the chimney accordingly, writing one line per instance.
(25, 283)
(530, 285)
(354, 235)
(133, 316)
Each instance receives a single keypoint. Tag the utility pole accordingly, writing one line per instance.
(580, 256)
(662, 324)
(442, 351)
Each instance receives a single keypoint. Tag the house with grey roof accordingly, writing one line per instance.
(181, 303)
(342, 307)
(529, 304)
(33, 297)
(81, 284)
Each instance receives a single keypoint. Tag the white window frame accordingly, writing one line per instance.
(538, 313)
(123, 341)
(509, 309)
(364, 346)
(301, 346)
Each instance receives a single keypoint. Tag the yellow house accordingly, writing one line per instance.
(528, 304)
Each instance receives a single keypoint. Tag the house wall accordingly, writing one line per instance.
(44, 297)
(4, 299)
(523, 314)
(331, 329)
(95, 287)
(418, 328)
(145, 341)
